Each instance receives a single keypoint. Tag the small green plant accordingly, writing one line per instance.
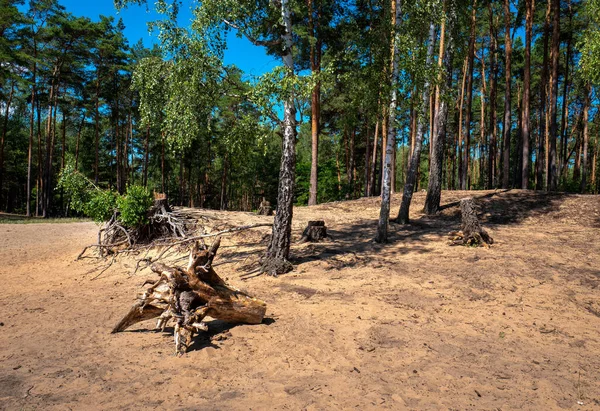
(134, 206)
(101, 205)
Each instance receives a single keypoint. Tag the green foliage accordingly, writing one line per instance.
(76, 187)
(590, 44)
(134, 206)
(101, 205)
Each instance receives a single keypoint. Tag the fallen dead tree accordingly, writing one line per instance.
(471, 234)
(187, 296)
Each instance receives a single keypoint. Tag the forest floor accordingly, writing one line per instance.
(415, 324)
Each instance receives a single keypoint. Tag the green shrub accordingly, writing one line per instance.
(76, 186)
(101, 205)
(134, 206)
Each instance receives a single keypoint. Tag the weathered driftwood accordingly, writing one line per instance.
(471, 233)
(315, 231)
(265, 208)
(189, 295)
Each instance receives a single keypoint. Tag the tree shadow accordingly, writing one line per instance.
(502, 207)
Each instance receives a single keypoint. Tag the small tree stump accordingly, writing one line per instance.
(265, 208)
(471, 232)
(314, 232)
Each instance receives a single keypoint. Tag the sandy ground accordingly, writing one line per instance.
(415, 324)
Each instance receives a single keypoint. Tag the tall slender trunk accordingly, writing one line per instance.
(552, 166)
(506, 128)
(460, 135)
(482, 131)
(31, 127)
(541, 183)
(464, 183)
(374, 159)
(39, 182)
(411, 176)
(78, 140)
(279, 247)
(529, 5)
(97, 125)
(315, 66)
(564, 123)
(3, 136)
(384, 213)
(493, 93)
(146, 156)
(367, 157)
(434, 189)
(584, 162)
(162, 162)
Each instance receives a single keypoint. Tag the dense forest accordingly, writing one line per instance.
(372, 97)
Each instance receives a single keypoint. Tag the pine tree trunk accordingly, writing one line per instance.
(411, 176)
(584, 162)
(506, 129)
(529, 5)
(460, 134)
(552, 165)
(374, 160)
(464, 183)
(540, 163)
(31, 131)
(384, 213)
(146, 156)
(492, 166)
(564, 123)
(3, 136)
(78, 141)
(315, 63)
(97, 129)
(434, 188)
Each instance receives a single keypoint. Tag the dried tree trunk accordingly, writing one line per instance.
(506, 128)
(411, 176)
(434, 189)
(31, 127)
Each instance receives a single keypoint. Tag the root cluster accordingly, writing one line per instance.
(187, 296)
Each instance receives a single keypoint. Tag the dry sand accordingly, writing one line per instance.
(414, 324)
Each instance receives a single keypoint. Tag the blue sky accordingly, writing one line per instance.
(251, 59)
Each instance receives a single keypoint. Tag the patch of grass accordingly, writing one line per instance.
(19, 219)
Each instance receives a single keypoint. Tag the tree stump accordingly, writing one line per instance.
(187, 296)
(161, 203)
(471, 232)
(265, 208)
(314, 232)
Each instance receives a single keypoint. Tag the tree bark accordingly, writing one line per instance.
(146, 156)
(276, 261)
(315, 66)
(584, 162)
(411, 176)
(464, 182)
(434, 188)
(390, 139)
(492, 166)
(97, 128)
(31, 127)
(3, 135)
(541, 153)
(552, 166)
(506, 128)
(529, 5)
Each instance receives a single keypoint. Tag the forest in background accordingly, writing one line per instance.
(518, 82)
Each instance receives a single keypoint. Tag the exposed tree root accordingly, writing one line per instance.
(187, 296)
